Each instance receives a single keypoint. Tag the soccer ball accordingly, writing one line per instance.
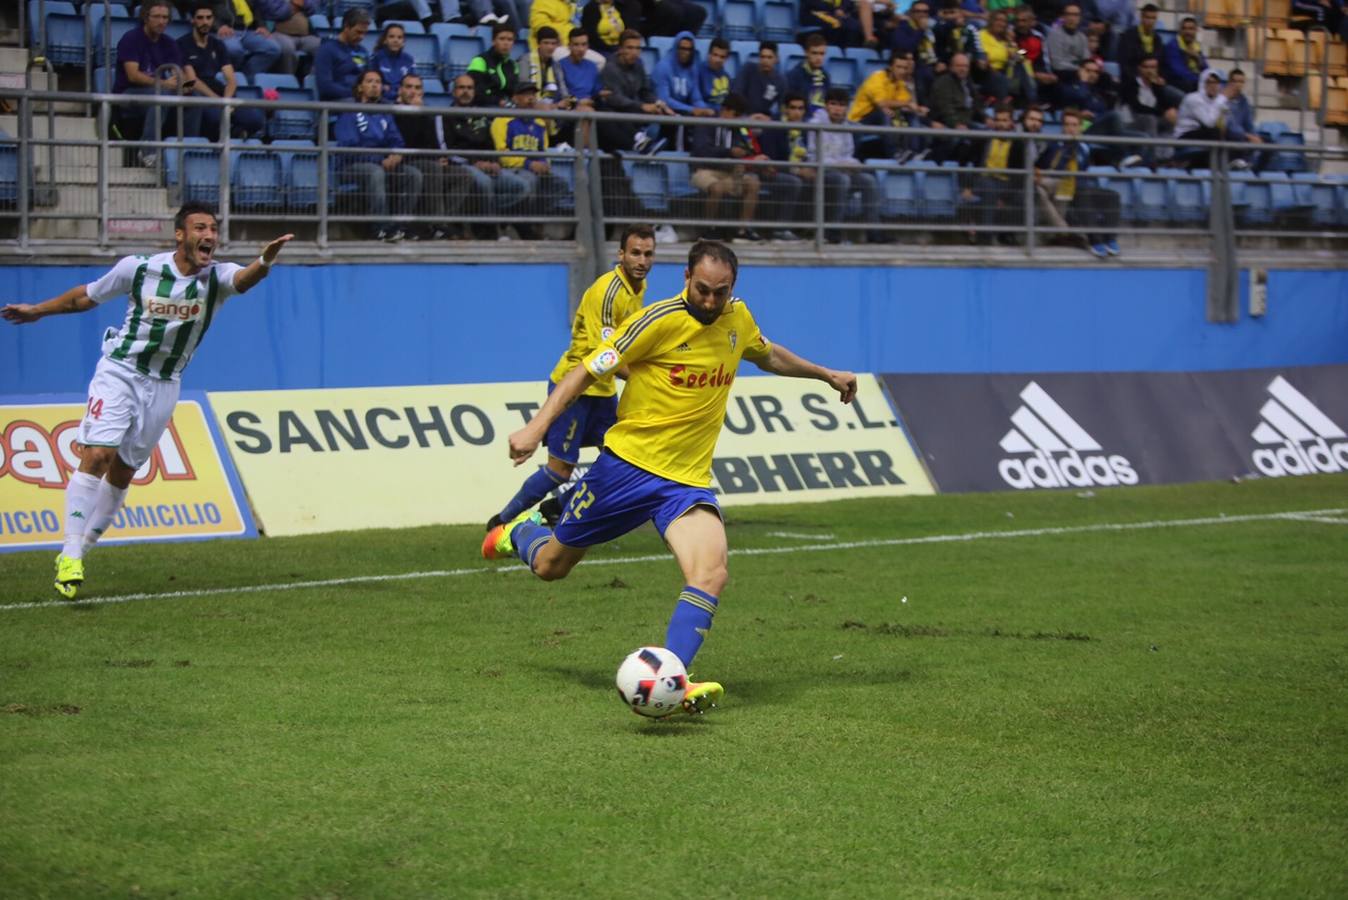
(652, 681)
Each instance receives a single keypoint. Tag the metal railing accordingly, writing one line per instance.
(584, 189)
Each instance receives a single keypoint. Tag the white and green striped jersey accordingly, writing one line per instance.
(167, 314)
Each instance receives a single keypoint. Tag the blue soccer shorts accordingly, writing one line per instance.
(583, 424)
(616, 497)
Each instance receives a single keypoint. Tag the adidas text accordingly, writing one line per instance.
(1068, 470)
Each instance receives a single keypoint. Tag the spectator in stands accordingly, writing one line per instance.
(250, 46)
(1240, 119)
(629, 90)
(1139, 42)
(793, 185)
(494, 71)
(1207, 115)
(1115, 17)
(579, 71)
(868, 13)
(392, 61)
(809, 78)
(206, 62)
(447, 11)
(444, 184)
(675, 79)
(542, 67)
(713, 81)
(1084, 95)
(1151, 105)
(1032, 123)
(1086, 206)
(341, 60)
(729, 179)
(489, 193)
(377, 175)
(1067, 45)
(1031, 41)
(140, 53)
(836, 20)
(762, 85)
(843, 172)
(669, 17)
(606, 20)
(885, 101)
(1328, 13)
(555, 14)
(955, 104)
(954, 35)
(1183, 60)
(526, 137)
(913, 34)
(1007, 73)
(292, 31)
(1000, 194)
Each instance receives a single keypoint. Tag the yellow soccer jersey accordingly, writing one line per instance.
(671, 411)
(608, 301)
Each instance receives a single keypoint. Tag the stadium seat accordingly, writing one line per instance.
(1321, 196)
(779, 20)
(739, 20)
(118, 27)
(684, 199)
(299, 170)
(433, 85)
(1153, 197)
(708, 29)
(53, 8)
(661, 44)
(746, 52)
(425, 49)
(1125, 185)
(441, 99)
(898, 190)
(1252, 199)
(1289, 207)
(650, 182)
(842, 72)
(1287, 160)
(937, 190)
(1189, 200)
(288, 123)
(459, 47)
(650, 58)
(65, 39)
(173, 155)
(256, 181)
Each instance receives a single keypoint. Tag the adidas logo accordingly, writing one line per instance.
(1055, 444)
(683, 348)
(1297, 435)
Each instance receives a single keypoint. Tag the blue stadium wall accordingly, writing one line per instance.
(368, 325)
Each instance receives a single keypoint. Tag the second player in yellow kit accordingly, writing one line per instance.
(612, 298)
(681, 356)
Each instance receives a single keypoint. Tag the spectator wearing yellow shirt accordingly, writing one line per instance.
(1006, 73)
(886, 99)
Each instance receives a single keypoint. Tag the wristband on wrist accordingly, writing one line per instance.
(262, 261)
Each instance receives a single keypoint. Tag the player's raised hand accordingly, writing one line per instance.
(845, 383)
(19, 313)
(523, 443)
(273, 250)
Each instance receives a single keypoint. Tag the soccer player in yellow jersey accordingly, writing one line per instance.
(613, 297)
(681, 355)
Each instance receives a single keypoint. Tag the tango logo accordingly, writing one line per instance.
(1055, 443)
(1298, 438)
(182, 311)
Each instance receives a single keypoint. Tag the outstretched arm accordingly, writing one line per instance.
(781, 361)
(524, 442)
(257, 270)
(72, 301)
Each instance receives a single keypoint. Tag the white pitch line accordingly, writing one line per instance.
(800, 535)
(1308, 517)
(1294, 515)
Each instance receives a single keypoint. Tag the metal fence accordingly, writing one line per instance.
(95, 188)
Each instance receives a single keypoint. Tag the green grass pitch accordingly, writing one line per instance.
(1068, 710)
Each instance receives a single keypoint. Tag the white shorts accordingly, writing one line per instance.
(127, 410)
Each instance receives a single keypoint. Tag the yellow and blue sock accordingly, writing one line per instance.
(689, 624)
(528, 539)
(535, 488)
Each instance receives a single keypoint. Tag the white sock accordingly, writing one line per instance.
(80, 494)
(106, 506)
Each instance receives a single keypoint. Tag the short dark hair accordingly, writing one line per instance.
(837, 94)
(1187, 19)
(720, 43)
(899, 54)
(794, 96)
(501, 28)
(1005, 107)
(636, 230)
(355, 16)
(1151, 7)
(704, 249)
(1148, 57)
(151, 4)
(192, 208)
(203, 4)
(768, 45)
(815, 40)
(1071, 111)
(1234, 73)
(736, 103)
(360, 79)
(950, 4)
(576, 33)
(630, 34)
(546, 32)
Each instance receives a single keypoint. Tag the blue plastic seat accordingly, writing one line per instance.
(938, 193)
(439, 100)
(119, 27)
(425, 49)
(433, 85)
(1252, 199)
(650, 182)
(65, 39)
(288, 123)
(1122, 183)
(679, 174)
(842, 72)
(1284, 198)
(299, 173)
(744, 52)
(1322, 196)
(1287, 160)
(898, 192)
(650, 57)
(458, 49)
(708, 29)
(1153, 198)
(1189, 200)
(661, 44)
(739, 20)
(779, 20)
(256, 181)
